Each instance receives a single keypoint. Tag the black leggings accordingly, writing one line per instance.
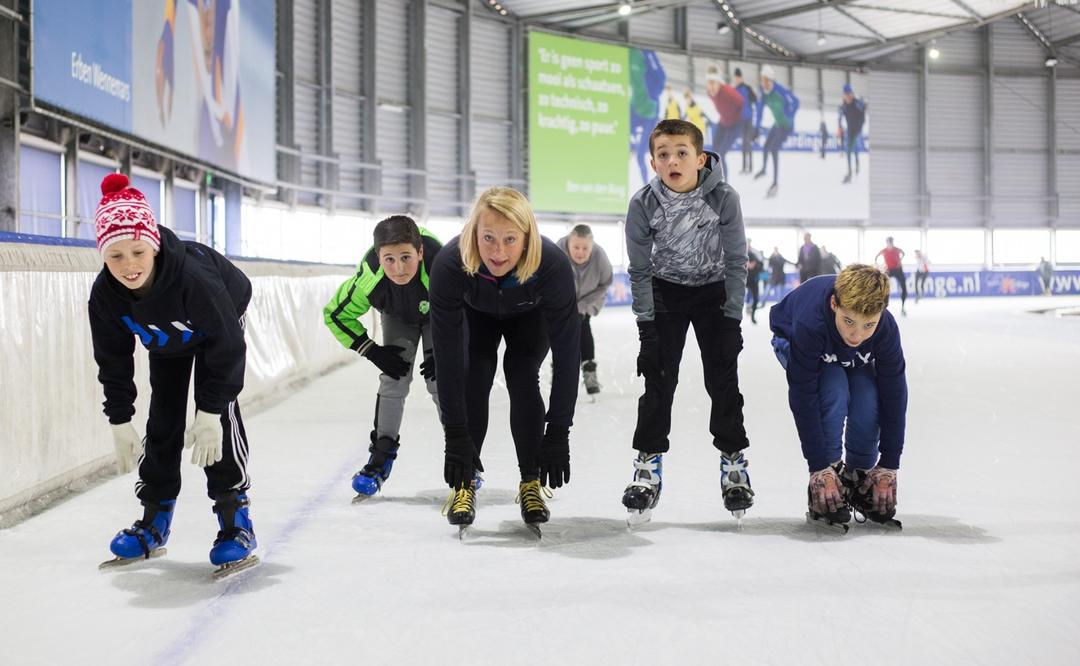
(588, 347)
(898, 273)
(527, 344)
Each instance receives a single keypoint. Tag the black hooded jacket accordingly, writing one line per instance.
(193, 306)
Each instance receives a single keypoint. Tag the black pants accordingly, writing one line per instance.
(159, 467)
(898, 273)
(748, 145)
(920, 283)
(527, 344)
(677, 307)
(754, 287)
(588, 347)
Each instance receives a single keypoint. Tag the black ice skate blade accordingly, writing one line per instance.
(232, 568)
(360, 498)
(824, 523)
(117, 562)
(535, 530)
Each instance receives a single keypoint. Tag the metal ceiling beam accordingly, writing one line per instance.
(815, 31)
(567, 14)
(963, 5)
(915, 12)
(866, 26)
(792, 11)
(1067, 40)
(640, 7)
(920, 36)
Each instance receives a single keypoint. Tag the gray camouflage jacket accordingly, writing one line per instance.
(690, 238)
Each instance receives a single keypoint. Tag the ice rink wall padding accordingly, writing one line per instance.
(52, 430)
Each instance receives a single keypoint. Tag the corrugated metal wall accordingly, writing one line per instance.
(489, 95)
(347, 111)
(657, 27)
(306, 88)
(702, 25)
(443, 113)
(391, 84)
(893, 128)
(1068, 157)
(1021, 163)
(956, 122)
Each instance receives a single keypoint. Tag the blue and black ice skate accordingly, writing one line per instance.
(145, 539)
(369, 480)
(234, 547)
(643, 493)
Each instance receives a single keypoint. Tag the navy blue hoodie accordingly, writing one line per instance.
(193, 306)
(805, 319)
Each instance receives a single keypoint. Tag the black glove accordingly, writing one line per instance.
(648, 359)
(427, 368)
(388, 359)
(555, 457)
(462, 461)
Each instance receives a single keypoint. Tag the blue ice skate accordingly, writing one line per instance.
(145, 538)
(643, 493)
(735, 483)
(370, 479)
(235, 543)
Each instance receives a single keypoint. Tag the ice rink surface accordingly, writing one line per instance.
(986, 570)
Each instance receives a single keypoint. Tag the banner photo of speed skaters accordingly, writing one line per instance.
(791, 151)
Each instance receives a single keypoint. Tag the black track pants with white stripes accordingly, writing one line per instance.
(159, 467)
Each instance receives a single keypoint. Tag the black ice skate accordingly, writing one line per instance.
(836, 521)
(862, 504)
(588, 375)
(460, 508)
(643, 493)
(534, 510)
(735, 483)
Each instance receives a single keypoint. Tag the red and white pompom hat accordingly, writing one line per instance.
(123, 214)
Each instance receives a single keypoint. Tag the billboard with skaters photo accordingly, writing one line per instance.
(592, 107)
(195, 76)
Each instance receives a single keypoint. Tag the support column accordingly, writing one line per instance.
(234, 194)
(417, 71)
(924, 139)
(71, 183)
(9, 120)
(988, 128)
(466, 188)
(372, 180)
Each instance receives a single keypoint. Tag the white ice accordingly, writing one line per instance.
(986, 570)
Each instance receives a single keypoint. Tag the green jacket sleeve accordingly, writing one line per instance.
(350, 302)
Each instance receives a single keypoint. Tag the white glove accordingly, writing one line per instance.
(203, 437)
(128, 446)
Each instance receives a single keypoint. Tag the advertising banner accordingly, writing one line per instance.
(195, 76)
(593, 106)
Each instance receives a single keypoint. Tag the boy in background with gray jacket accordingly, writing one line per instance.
(687, 249)
(592, 277)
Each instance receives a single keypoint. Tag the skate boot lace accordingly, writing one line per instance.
(460, 501)
(645, 472)
(529, 496)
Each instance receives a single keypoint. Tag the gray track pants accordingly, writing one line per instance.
(390, 404)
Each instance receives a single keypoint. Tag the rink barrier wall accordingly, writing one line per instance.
(944, 284)
(54, 437)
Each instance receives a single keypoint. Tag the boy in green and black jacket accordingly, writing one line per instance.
(393, 279)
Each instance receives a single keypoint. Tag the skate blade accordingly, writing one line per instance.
(226, 570)
(117, 562)
(535, 529)
(839, 528)
(635, 517)
(360, 498)
(890, 525)
(463, 532)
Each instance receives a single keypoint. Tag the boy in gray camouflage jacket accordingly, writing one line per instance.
(687, 250)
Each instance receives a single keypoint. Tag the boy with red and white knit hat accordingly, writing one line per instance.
(185, 302)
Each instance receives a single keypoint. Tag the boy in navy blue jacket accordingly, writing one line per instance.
(185, 303)
(841, 350)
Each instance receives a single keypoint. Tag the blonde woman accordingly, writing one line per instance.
(501, 280)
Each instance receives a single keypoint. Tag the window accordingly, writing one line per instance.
(1021, 246)
(843, 243)
(786, 239)
(956, 247)
(1068, 246)
(907, 240)
(40, 197)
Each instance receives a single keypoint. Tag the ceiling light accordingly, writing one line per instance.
(1051, 62)
(722, 29)
(933, 53)
(821, 39)
(624, 10)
